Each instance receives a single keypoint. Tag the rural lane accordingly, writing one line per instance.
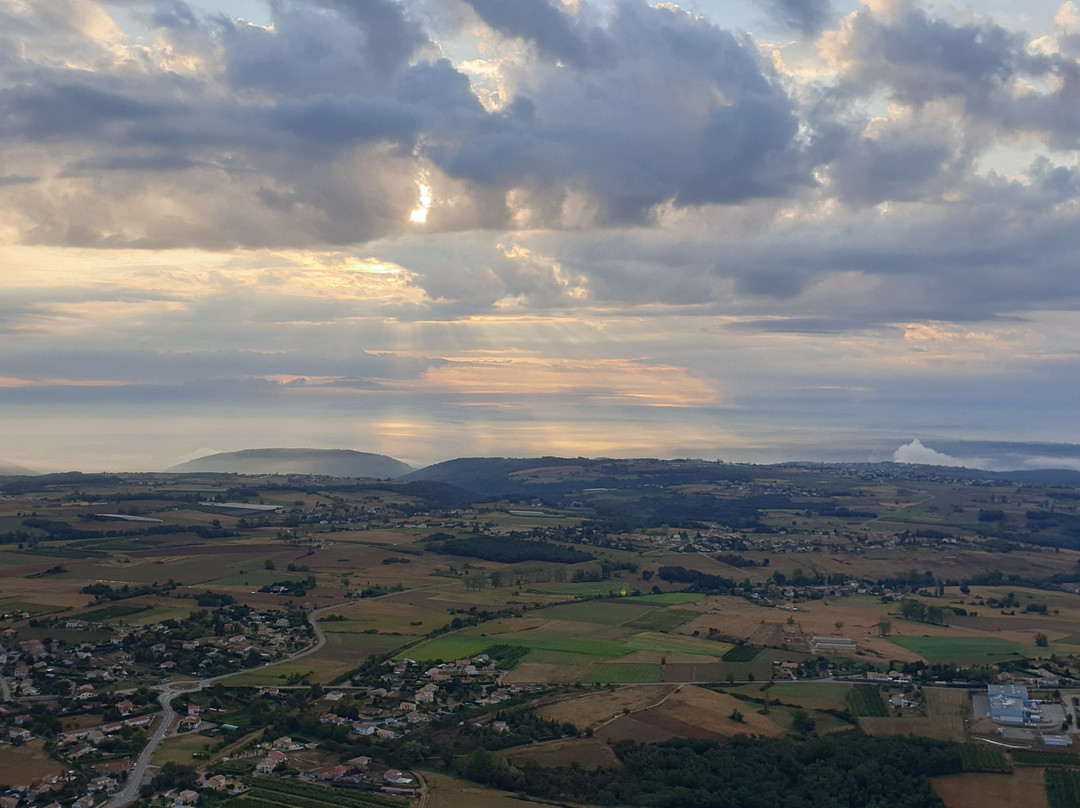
(130, 792)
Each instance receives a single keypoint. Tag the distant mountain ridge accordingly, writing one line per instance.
(323, 462)
(11, 470)
(502, 476)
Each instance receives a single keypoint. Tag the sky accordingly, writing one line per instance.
(747, 230)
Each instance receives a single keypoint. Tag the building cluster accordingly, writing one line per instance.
(409, 696)
(362, 773)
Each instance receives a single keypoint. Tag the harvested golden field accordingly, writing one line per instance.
(589, 753)
(449, 792)
(710, 712)
(594, 708)
(26, 764)
(1024, 788)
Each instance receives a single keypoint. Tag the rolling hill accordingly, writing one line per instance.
(325, 462)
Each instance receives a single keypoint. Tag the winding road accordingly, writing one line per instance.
(170, 690)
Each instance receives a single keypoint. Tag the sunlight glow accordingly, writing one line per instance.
(419, 215)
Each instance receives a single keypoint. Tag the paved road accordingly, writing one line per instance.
(130, 792)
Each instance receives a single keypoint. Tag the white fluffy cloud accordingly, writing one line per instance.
(918, 454)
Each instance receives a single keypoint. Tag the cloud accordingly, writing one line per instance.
(918, 454)
(808, 17)
(548, 27)
(216, 133)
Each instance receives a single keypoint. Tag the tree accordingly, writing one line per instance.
(268, 564)
(736, 716)
(884, 626)
(1041, 640)
(802, 723)
(839, 625)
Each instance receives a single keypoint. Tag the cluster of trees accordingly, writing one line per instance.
(744, 773)
(291, 586)
(733, 560)
(603, 571)
(490, 548)
(912, 609)
(104, 592)
(698, 580)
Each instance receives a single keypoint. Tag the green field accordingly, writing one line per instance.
(675, 644)
(865, 700)
(1063, 788)
(590, 589)
(181, 748)
(600, 612)
(742, 653)
(670, 598)
(259, 578)
(279, 793)
(450, 647)
(830, 695)
(983, 759)
(961, 650)
(113, 612)
(662, 619)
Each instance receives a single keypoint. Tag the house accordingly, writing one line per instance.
(500, 727)
(189, 723)
(271, 763)
(18, 735)
(103, 783)
(335, 772)
(187, 797)
(217, 782)
(396, 777)
(140, 721)
(113, 768)
(125, 707)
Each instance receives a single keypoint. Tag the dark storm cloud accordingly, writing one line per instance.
(682, 111)
(546, 26)
(808, 17)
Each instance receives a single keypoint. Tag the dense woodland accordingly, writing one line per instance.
(850, 771)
